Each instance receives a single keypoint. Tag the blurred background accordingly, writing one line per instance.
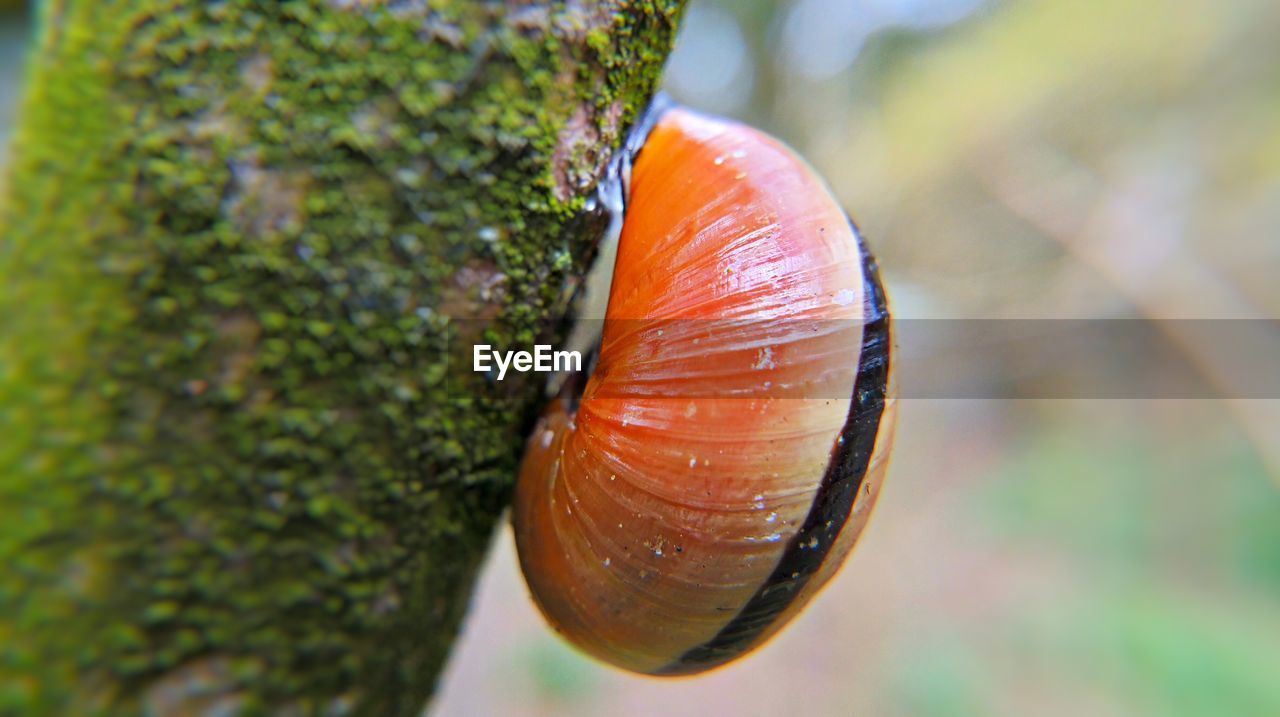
(1037, 159)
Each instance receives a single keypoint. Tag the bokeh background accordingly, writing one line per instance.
(1016, 159)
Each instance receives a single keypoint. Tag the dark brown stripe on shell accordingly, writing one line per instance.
(834, 500)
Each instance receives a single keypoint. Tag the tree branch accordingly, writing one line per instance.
(237, 240)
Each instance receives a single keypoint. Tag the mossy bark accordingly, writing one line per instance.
(237, 239)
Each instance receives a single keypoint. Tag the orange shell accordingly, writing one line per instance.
(703, 490)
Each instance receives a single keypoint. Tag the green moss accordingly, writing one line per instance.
(237, 240)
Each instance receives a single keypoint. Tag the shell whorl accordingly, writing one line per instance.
(727, 450)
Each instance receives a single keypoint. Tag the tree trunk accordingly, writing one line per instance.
(236, 242)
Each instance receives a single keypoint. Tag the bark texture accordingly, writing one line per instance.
(236, 242)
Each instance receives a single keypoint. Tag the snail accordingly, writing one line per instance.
(681, 504)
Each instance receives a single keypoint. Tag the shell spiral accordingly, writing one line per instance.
(727, 450)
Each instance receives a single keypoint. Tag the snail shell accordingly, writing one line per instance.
(726, 451)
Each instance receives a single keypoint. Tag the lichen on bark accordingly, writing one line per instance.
(236, 240)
